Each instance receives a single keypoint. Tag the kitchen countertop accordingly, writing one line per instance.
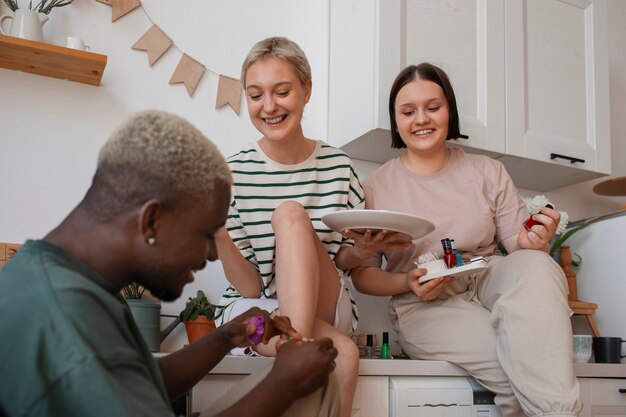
(407, 367)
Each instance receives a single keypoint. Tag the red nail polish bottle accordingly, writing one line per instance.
(448, 256)
(530, 222)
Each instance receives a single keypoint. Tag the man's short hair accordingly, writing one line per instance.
(155, 154)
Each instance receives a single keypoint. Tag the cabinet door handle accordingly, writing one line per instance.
(571, 159)
(622, 390)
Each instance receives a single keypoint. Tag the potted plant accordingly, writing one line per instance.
(44, 6)
(198, 316)
(146, 313)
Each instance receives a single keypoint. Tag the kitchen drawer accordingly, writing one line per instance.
(606, 392)
(441, 411)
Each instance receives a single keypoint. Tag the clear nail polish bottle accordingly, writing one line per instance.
(369, 347)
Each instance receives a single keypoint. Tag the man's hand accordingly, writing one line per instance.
(302, 367)
(238, 329)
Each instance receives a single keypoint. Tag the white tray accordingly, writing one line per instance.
(457, 271)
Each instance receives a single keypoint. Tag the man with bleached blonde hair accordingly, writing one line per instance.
(160, 192)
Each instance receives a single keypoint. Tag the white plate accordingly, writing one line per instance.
(457, 271)
(358, 220)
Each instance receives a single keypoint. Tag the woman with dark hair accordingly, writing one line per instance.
(427, 72)
(507, 325)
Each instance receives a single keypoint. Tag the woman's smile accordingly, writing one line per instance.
(275, 120)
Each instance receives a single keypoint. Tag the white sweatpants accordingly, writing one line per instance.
(507, 326)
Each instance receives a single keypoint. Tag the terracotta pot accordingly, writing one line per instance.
(198, 328)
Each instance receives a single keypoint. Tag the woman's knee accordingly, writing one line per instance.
(348, 350)
(529, 256)
(350, 354)
(531, 267)
(288, 213)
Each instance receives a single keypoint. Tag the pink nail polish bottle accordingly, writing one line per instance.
(256, 337)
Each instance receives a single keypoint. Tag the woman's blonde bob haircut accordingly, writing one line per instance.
(281, 48)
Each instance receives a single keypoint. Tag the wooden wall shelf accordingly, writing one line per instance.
(51, 60)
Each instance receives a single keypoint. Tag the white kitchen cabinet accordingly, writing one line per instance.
(600, 383)
(364, 49)
(557, 84)
(371, 398)
(602, 397)
(530, 76)
(465, 39)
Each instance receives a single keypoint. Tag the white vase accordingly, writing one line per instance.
(26, 24)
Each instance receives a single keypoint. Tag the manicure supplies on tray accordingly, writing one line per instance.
(450, 265)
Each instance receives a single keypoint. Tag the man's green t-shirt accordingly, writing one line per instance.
(68, 343)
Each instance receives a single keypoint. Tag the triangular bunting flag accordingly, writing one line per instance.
(188, 71)
(229, 92)
(155, 42)
(123, 7)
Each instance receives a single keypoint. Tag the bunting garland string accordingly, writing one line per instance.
(189, 71)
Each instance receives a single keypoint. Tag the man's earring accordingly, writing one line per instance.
(151, 240)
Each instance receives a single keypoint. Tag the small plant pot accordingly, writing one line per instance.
(198, 328)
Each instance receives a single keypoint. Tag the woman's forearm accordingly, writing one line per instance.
(374, 281)
(239, 272)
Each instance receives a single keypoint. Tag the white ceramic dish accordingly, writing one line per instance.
(358, 220)
(458, 271)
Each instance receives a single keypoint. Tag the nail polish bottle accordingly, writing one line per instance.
(530, 222)
(369, 347)
(448, 256)
(459, 259)
(384, 349)
(256, 337)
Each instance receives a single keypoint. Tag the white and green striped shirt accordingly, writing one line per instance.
(323, 183)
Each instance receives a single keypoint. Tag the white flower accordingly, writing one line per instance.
(534, 204)
(562, 223)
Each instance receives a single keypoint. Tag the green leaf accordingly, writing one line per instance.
(562, 238)
(196, 306)
(133, 291)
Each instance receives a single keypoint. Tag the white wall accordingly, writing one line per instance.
(600, 277)
(51, 130)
